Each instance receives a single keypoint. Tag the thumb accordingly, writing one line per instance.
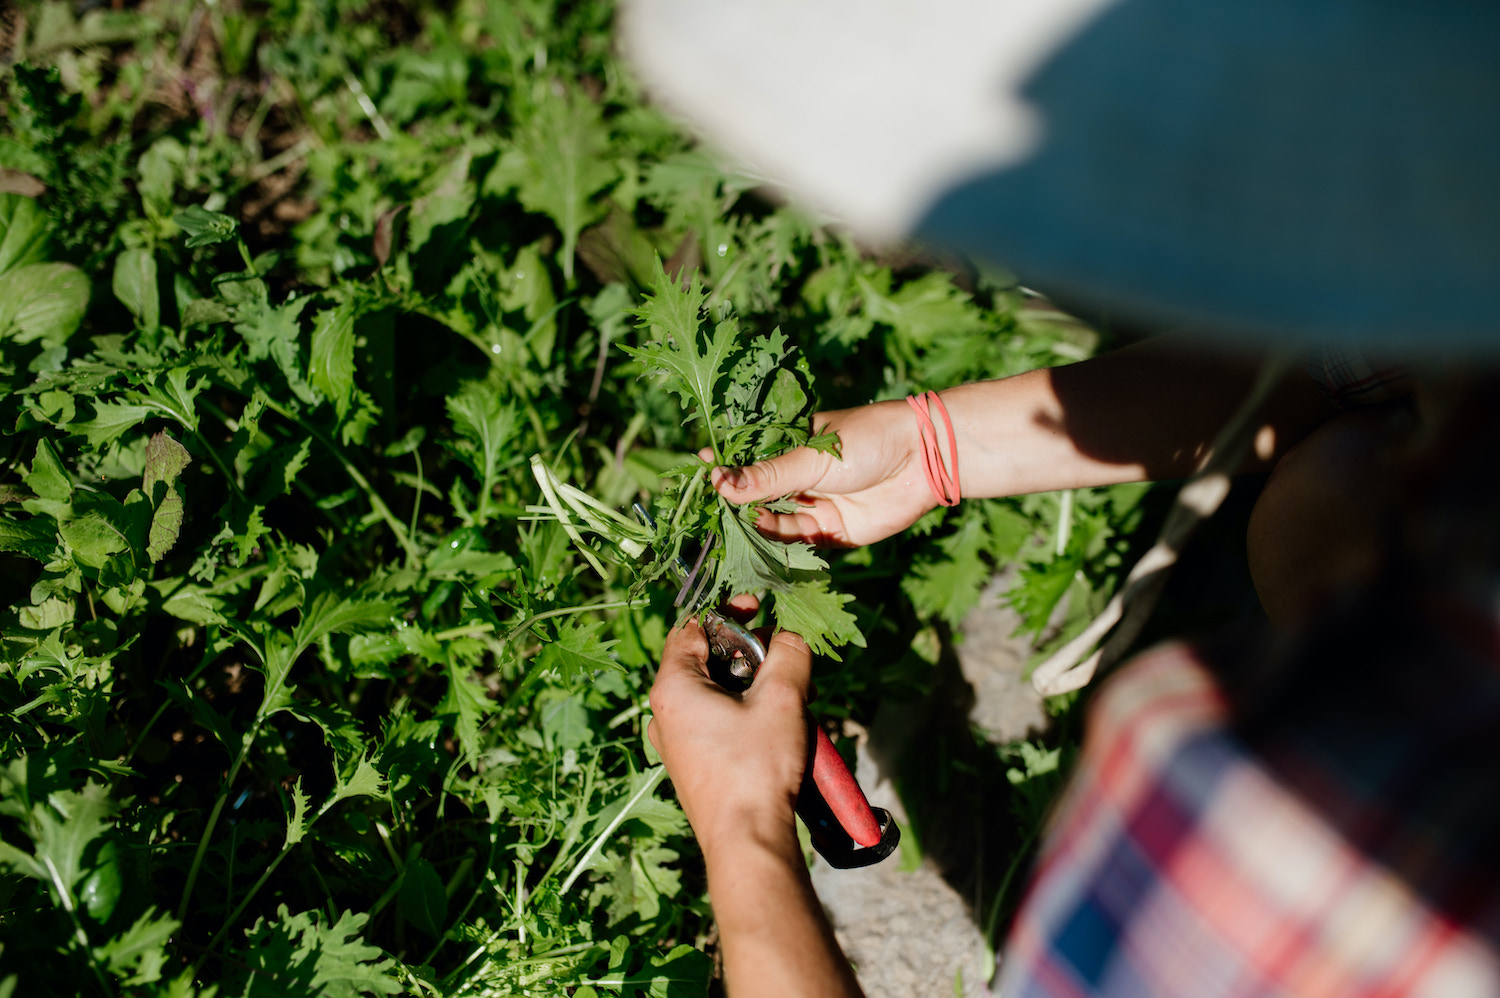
(798, 470)
(787, 669)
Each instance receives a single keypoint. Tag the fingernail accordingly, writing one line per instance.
(735, 477)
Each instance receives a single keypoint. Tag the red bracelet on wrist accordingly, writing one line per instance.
(944, 484)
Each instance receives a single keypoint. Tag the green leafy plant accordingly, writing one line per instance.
(329, 381)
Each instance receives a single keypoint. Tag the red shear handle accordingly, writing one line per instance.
(843, 795)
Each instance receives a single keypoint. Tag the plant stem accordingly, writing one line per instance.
(245, 901)
(619, 819)
(413, 556)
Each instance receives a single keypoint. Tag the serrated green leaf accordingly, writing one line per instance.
(297, 955)
(134, 285)
(563, 167)
(204, 312)
(139, 953)
(331, 613)
(66, 827)
(465, 701)
(694, 364)
(365, 781)
(111, 419)
(296, 822)
(448, 198)
(565, 722)
(488, 423)
(753, 562)
(423, 901)
(951, 586)
(818, 615)
(681, 973)
(175, 394)
(273, 331)
(920, 309)
(580, 651)
(331, 365)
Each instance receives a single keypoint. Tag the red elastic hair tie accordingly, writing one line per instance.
(944, 485)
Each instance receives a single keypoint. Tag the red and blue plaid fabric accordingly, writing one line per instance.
(1350, 378)
(1338, 837)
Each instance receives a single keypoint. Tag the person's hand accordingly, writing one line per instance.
(876, 490)
(736, 759)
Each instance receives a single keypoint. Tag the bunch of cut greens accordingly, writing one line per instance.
(753, 398)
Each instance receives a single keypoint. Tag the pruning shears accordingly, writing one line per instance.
(847, 832)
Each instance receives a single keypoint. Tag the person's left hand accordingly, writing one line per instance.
(736, 759)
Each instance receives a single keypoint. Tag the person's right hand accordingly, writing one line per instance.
(877, 489)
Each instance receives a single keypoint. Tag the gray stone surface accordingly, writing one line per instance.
(910, 934)
(993, 660)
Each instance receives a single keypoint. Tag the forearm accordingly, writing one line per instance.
(775, 939)
(1142, 413)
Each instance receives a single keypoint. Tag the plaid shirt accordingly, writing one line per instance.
(1320, 824)
(1350, 378)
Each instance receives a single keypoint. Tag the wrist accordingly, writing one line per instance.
(736, 834)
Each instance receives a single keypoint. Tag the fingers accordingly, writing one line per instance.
(798, 470)
(685, 653)
(787, 670)
(742, 607)
(818, 523)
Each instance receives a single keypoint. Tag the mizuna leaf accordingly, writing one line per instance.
(818, 615)
(487, 423)
(111, 419)
(296, 822)
(139, 953)
(753, 562)
(333, 614)
(299, 955)
(331, 367)
(562, 146)
(579, 651)
(175, 394)
(365, 781)
(467, 701)
(694, 363)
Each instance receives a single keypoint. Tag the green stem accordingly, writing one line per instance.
(563, 611)
(413, 556)
(688, 495)
(619, 819)
(213, 820)
(79, 935)
(249, 896)
(576, 825)
(219, 463)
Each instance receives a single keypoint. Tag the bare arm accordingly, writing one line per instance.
(1145, 412)
(736, 762)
